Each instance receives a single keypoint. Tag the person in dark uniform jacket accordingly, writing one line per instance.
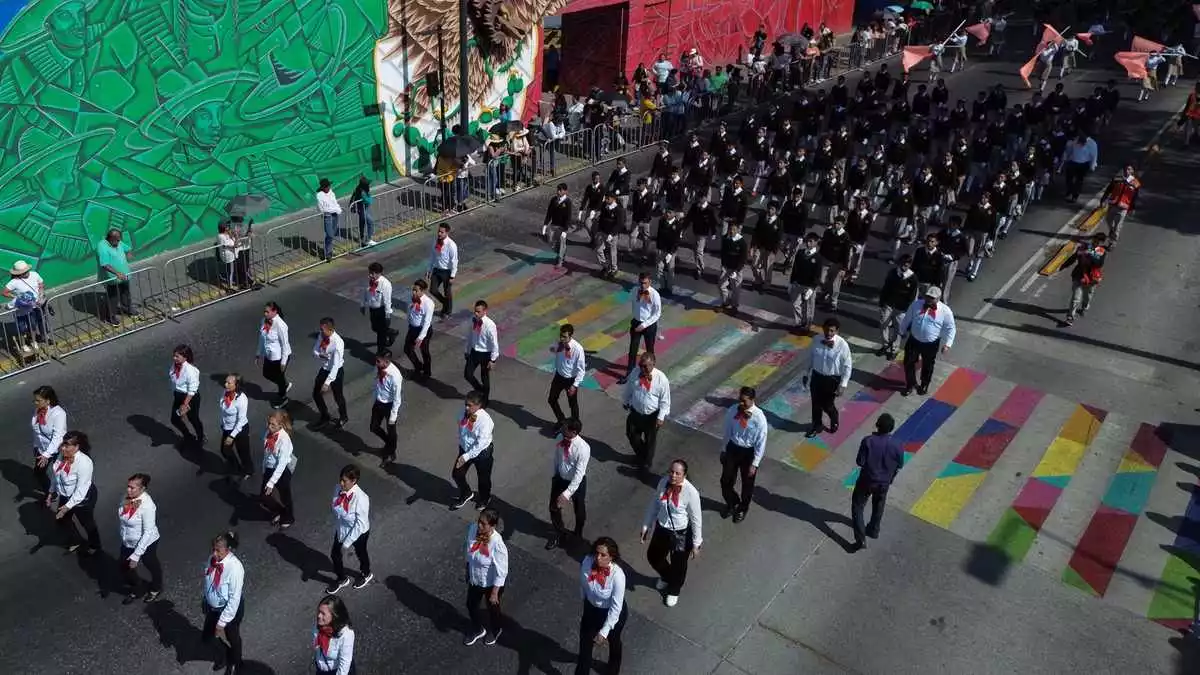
(558, 222)
(928, 263)
(700, 178)
(666, 245)
(641, 210)
(734, 202)
(899, 291)
(794, 215)
(735, 252)
(835, 259)
(764, 246)
(673, 193)
(589, 206)
(609, 225)
(804, 283)
(702, 220)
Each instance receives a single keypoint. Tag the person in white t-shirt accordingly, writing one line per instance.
(27, 292)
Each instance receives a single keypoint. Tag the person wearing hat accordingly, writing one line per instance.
(522, 154)
(113, 256)
(330, 210)
(879, 459)
(27, 291)
(495, 157)
(929, 328)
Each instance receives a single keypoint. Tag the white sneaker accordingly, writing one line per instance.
(288, 390)
(672, 600)
(471, 639)
(660, 585)
(371, 242)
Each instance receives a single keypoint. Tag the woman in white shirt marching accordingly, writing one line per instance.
(333, 638)
(224, 581)
(185, 384)
(138, 517)
(674, 519)
(234, 409)
(49, 426)
(274, 350)
(487, 570)
(73, 495)
(602, 583)
(352, 528)
(279, 461)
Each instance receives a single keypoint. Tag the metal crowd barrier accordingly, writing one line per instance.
(102, 311)
(396, 212)
(26, 340)
(201, 278)
(565, 156)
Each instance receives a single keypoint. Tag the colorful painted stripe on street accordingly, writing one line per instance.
(1103, 542)
(753, 374)
(810, 453)
(1174, 601)
(543, 337)
(1019, 526)
(712, 355)
(675, 327)
(956, 484)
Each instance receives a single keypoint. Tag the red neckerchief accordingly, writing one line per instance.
(743, 418)
(931, 311)
(482, 547)
(416, 300)
(130, 508)
(672, 493)
(178, 370)
(215, 568)
(324, 342)
(565, 350)
(372, 285)
(343, 500)
(382, 374)
(467, 421)
(324, 635)
(438, 246)
(478, 324)
(64, 466)
(599, 574)
(644, 294)
(266, 326)
(565, 444)
(229, 397)
(646, 379)
(41, 416)
(271, 442)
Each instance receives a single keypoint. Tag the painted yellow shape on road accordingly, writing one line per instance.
(947, 497)
(1061, 458)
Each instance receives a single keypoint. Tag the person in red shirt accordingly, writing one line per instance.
(1121, 194)
(1087, 264)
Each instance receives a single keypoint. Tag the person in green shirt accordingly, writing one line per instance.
(716, 82)
(113, 256)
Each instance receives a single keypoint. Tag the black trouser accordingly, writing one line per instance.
(925, 351)
(670, 564)
(131, 577)
(41, 476)
(380, 413)
(360, 551)
(557, 386)
(424, 365)
(440, 278)
(642, 432)
(858, 500)
(381, 325)
(84, 514)
(193, 416)
(272, 371)
(482, 361)
(823, 391)
(477, 595)
(280, 501)
(1075, 173)
(578, 501)
(335, 387)
(649, 335)
(237, 456)
(483, 473)
(734, 461)
(231, 654)
(120, 301)
(589, 627)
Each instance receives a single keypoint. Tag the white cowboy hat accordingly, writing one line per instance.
(20, 267)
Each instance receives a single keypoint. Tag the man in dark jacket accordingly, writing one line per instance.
(735, 251)
(764, 246)
(703, 221)
(641, 210)
(835, 260)
(879, 459)
(619, 182)
(666, 244)
(734, 202)
(899, 291)
(804, 283)
(609, 224)
(929, 264)
(558, 218)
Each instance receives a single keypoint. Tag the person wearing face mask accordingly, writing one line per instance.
(835, 260)
(804, 282)
(72, 495)
(558, 222)
(764, 246)
(980, 221)
(185, 383)
(735, 252)
(49, 427)
(702, 219)
(352, 528)
(377, 304)
(386, 403)
(590, 205)
(235, 433)
(487, 571)
(673, 526)
(745, 443)
(929, 327)
(1121, 195)
(482, 351)
(953, 244)
(569, 483)
(829, 369)
(1087, 270)
(641, 210)
(602, 586)
(928, 264)
(648, 401)
(475, 449)
(666, 245)
(137, 515)
(609, 225)
(224, 609)
(333, 638)
(330, 353)
(278, 465)
(899, 291)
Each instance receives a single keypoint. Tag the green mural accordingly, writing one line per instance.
(150, 115)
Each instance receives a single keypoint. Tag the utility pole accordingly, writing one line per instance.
(463, 81)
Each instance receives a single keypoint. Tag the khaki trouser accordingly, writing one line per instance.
(606, 252)
(831, 280)
(730, 285)
(1081, 298)
(762, 264)
(804, 304)
(665, 271)
(1115, 218)
(889, 325)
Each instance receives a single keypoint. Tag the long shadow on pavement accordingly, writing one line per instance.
(296, 553)
(801, 510)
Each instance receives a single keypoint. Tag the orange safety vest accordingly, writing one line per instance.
(1193, 107)
(1123, 193)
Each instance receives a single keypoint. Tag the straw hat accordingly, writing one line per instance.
(493, 138)
(20, 267)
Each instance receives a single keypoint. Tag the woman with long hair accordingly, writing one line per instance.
(138, 517)
(274, 350)
(73, 494)
(185, 384)
(49, 426)
(235, 427)
(487, 570)
(224, 580)
(673, 528)
(602, 583)
(333, 638)
(279, 461)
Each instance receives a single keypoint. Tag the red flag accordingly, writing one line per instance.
(1134, 62)
(1049, 37)
(1141, 44)
(1085, 38)
(981, 31)
(1027, 70)
(915, 55)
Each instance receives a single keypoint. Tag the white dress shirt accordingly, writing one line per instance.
(644, 399)
(676, 510)
(647, 307)
(831, 360)
(487, 564)
(273, 342)
(750, 432)
(139, 529)
(570, 462)
(276, 455)
(387, 389)
(420, 315)
(484, 337)
(327, 202)
(234, 412)
(570, 361)
(227, 594)
(603, 592)
(929, 327)
(331, 354)
(1088, 153)
(351, 514)
(340, 655)
(445, 258)
(71, 481)
(379, 296)
(186, 380)
(475, 434)
(48, 432)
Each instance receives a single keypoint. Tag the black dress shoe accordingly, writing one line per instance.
(907, 391)
(555, 542)
(739, 516)
(922, 389)
(813, 432)
(833, 428)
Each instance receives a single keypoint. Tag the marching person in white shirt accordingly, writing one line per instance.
(330, 352)
(420, 323)
(386, 406)
(648, 400)
(487, 570)
(569, 483)
(673, 528)
(475, 448)
(137, 516)
(234, 409)
(569, 369)
(185, 384)
(352, 528)
(274, 350)
(483, 349)
(279, 463)
(224, 581)
(49, 426)
(443, 267)
(73, 494)
(745, 445)
(333, 638)
(928, 325)
(647, 310)
(377, 304)
(330, 210)
(829, 369)
(602, 585)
